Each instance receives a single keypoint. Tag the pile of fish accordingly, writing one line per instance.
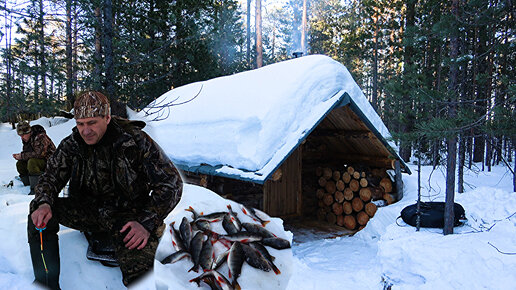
(195, 240)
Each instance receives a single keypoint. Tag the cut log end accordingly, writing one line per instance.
(350, 222)
(328, 199)
(357, 204)
(348, 194)
(327, 173)
(370, 208)
(363, 182)
(347, 208)
(340, 185)
(339, 196)
(337, 208)
(330, 186)
(362, 218)
(354, 185)
(336, 175)
(346, 177)
(388, 198)
(386, 184)
(365, 194)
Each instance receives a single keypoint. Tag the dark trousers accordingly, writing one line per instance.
(33, 166)
(81, 216)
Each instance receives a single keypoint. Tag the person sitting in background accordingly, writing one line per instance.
(37, 148)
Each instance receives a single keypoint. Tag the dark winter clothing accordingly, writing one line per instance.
(124, 177)
(39, 146)
(35, 152)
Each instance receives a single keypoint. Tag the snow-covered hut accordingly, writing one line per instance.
(259, 135)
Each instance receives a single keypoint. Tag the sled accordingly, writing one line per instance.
(101, 248)
(432, 215)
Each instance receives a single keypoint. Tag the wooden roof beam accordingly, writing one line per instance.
(339, 133)
(324, 157)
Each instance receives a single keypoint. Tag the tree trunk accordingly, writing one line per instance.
(97, 71)
(43, 61)
(462, 156)
(406, 126)
(10, 114)
(452, 140)
(248, 52)
(108, 49)
(489, 152)
(258, 23)
(478, 149)
(116, 107)
(75, 47)
(514, 174)
(470, 149)
(69, 76)
(374, 99)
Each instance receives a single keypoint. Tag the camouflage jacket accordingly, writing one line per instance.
(125, 172)
(39, 145)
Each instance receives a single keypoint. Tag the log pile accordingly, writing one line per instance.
(347, 196)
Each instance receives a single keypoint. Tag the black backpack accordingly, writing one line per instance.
(432, 214)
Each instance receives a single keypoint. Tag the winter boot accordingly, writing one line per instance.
(46, 263)
(25, 180)
(33, 181)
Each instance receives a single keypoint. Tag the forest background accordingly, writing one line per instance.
(439, 73)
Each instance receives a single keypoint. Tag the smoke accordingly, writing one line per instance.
(298, 45)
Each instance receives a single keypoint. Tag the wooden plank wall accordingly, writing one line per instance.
(284, 196)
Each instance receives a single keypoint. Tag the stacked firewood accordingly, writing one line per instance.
(350, 197)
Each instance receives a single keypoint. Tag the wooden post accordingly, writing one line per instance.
(399, 180)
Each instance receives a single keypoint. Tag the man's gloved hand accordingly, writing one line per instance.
(137, 236)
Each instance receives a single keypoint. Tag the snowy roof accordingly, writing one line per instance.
(245, 125)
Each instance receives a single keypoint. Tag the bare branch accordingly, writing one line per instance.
(505, 253)
(163, 111)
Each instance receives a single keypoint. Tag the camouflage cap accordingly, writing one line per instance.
(23, 128)
(91, 104)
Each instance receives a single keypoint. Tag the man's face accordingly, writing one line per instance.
(92, 129)
(25, 137)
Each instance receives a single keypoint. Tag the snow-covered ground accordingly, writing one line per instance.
(480, 255)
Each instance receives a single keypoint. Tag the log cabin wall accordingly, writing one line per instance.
(282, 192)
(247, 193)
